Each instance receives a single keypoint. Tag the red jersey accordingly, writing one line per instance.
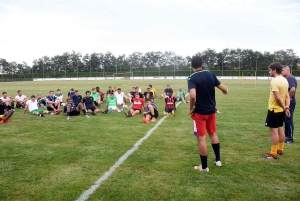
(137, 104)
(170, 102)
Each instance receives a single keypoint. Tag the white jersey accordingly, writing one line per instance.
(5, 100)
(120, 97)
(32, 105)
(20, 98)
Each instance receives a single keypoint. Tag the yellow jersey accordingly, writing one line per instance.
(281, 85)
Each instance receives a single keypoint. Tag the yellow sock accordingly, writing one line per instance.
(274, 150)
(280, 146)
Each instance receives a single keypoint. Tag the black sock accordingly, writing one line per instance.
(84, 112)
(203, 161)
(68, 113)
(216, 148)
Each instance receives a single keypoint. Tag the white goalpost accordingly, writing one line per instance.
(124, 75)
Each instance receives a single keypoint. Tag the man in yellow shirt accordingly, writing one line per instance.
(153, 91)
(279, 102)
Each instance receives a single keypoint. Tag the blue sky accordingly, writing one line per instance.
(32, 29)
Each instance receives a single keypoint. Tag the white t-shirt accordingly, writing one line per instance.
(32, 105)
(20, 98)
(120, 97)
(6, 99)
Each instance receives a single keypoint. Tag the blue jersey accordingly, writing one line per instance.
(73, 108)
(154, 106)
(204, 82)
(49, 98)
(77, 99)
(89, 102)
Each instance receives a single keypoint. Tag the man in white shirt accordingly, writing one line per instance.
(32, 106)
(20, 100)
(8, 101)
(121, 98)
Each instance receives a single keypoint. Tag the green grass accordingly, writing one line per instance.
(51, 158)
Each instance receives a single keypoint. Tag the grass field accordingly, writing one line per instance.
(51, 158)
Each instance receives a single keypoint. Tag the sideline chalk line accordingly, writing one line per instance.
(86, 194)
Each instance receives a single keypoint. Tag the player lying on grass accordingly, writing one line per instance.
(72, 110)
(32, 106)
(4, 113)
(136, 106)
(151, 111)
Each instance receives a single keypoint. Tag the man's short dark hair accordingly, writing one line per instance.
(72, 89)
(148, 99)
(19, 91)
(119, 88)
(33, 96)
(58, 90)
(93, 89)
(87, 92)
(196, 62)
(76, 91)
(276, 66)
(150, 85)
(4, 93)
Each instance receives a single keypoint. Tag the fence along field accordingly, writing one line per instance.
(53, 159)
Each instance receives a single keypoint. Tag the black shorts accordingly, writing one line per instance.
(134, 109)
(274, 120)
(91, 108)
(153, 116)
(74, 113)
(51, 109)
(169, 110)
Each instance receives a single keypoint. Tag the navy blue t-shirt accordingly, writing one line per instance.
(89, 102)
(77, 99)
(292, 83)
(204, 82)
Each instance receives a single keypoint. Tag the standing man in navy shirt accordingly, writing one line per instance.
(201, 86)
(289, 123)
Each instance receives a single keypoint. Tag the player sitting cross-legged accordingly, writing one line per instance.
(72, 110)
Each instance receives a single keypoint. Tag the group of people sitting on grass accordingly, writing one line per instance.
(116, 100)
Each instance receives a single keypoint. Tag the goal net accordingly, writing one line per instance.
(124, 75)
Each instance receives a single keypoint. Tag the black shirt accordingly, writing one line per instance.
(77, 99)
(204, 82)
(2, 108)
(89, 102)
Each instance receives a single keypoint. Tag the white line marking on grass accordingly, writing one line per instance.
(86, 194)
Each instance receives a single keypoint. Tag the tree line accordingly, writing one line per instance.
(75, 62)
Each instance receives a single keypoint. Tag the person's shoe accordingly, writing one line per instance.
(7, 120)
(218, 163)
(68, 117)
(93, 113)
(50, 113)
(196, 167)
(126, 115)
(1, 122)
(86, 116)
(165, 113)
(42, 115)
(145, 120)
(153, 119)
(270, 156)
(288, 140)
(105, 112)
(279, 152)
(173, 113)
(187, 102)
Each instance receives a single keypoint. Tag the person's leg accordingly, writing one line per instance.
(281, 138)
(80, 107)
(8, 115)
(135, 112)
(289, 125)
(211, 127)
(275, 140)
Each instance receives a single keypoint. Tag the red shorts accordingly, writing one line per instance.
(204, 124)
